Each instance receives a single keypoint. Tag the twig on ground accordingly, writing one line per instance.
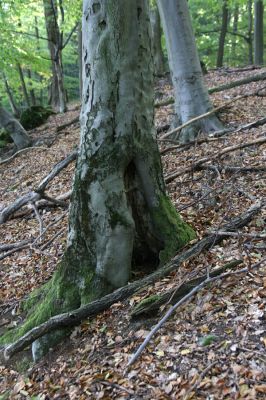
(197, 165)
(37, 214)
(52, 239)
(182, 301)
(201, 376)
(7, 160)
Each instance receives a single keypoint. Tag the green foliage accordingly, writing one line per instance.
(19, 45)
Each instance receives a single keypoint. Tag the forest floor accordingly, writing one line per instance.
(213, 347)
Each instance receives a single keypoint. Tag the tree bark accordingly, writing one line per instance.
(11, 99)
(54, 36)
(15, 129)
(23, 86)
(80, 60)
(31, 91)
(258, 31)
(235, 29)
(120, 216)
(225, 22)
(191, 96)
(156, 41)
(250, 25)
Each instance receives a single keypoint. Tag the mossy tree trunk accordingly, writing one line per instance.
(120, 215)
(191, 95)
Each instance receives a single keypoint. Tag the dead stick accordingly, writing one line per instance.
(199, 117)
(182, 301)
(169, 178)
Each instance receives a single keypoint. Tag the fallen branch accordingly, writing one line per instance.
(11, 246)
(216, 89)
(258, 236)
(182, 301)
(239, 82)
(202, 116)
(38, 193)
(7, 160)
(148, 306)
(67, 124)
(233, 169)
(74, 317)
(198, 164)
(215, 136)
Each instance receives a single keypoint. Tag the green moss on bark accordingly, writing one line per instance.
(174, 232)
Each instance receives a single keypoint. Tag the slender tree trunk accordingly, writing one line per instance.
(156, 41)
(191, 95)
(38, 48)
(15, 129)
(11, 99)
(235, 28)
(58, 100)
(23, 85)
(31, 91)
(80, 60)
(250, 26)
(120, 215)
(225, 23)
(258, 32)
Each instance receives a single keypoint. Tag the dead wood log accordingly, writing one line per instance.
(11, 246)
(221, 88)
(239, 82)
(74, 317)
(182, 301)
(67, 124)
(215, 136)
(198, 164)
(38, 193)
(234, 169)
(150, 305)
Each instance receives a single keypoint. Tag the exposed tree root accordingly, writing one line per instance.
(74, 317)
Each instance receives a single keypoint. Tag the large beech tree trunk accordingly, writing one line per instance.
(258, 31)
(57, 91)
(120, 215)
(15, 129)
(191, 96)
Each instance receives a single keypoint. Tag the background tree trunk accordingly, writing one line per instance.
(120, 215)
(156, 41)
(57, 97)
(11, 99)
(80, 60)
(225, 23)
(15, 129)
(235, 29)
(23, 86)
(31, 91)
(191, 96)
(250, 27)
(258, 32)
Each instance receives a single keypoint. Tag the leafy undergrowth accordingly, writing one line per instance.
(214, 346)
